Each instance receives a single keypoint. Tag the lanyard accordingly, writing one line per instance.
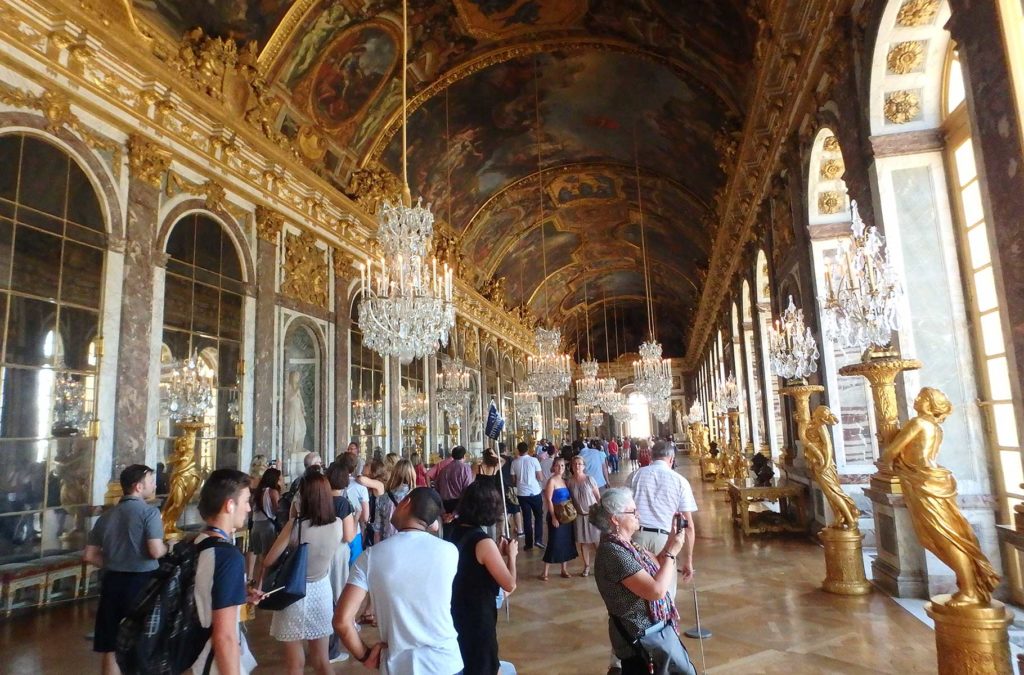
(218, 531)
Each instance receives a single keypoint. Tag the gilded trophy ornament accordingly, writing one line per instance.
(269, 224)
(184, 479)
(147, 161)
(372, 185)
(930, 494)
(305, 270)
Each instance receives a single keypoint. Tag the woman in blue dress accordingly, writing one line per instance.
(561, 537)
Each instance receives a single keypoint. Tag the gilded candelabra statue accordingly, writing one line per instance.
(821, 461)
(970, 627)
(184, 479)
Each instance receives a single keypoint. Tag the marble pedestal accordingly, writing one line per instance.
(900, 569)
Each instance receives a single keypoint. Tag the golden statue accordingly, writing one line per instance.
(821, 461)
(930, 494)
(184, 480)
(73, 465)
(740, 469)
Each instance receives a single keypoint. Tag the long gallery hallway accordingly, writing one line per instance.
(758, 595)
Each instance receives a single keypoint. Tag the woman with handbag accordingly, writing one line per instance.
(309, 619)
(642, 619)
(561, 514)
(264, 523)
(584, 495)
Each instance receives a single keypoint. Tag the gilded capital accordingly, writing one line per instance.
(268, 223)
(147, 161)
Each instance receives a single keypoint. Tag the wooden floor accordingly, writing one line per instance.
(758, 595)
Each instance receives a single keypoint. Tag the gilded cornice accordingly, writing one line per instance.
(784, 85)
(500, 55)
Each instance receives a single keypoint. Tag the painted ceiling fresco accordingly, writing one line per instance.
(669, 73)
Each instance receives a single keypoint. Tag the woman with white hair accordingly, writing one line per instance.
(642, 619)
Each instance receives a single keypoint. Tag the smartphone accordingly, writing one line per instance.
(681, 522)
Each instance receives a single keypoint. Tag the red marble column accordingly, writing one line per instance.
(268, 229)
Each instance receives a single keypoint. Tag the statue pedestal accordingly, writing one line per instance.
(971, 639)
(900, 569)
(844, 562)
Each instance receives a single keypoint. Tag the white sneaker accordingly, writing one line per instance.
(340, 658)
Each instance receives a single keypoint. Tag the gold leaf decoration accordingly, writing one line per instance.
(906, 57)
(147, 161)
(268, 223)
(901, 106)
(305, 270)
(917, 13)
(832, 169)
(829, 202)
(831, 144)
(370, 186)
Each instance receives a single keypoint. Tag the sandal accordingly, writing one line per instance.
(566, 575)
(586, 571)
(543, 577)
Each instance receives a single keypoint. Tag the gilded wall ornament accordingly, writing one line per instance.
(214, 195)
(901, 106)
(472, 354)
(147, 161)
(832, 169)
(906, 57)
(830, 144)
(830, 202)
(268, 223)
(371, 185)
(494, 290)
(305, 270)
(917, 13)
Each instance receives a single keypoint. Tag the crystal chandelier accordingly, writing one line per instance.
(729, 394)
(863, 290)
(596, 418)
(69, 406)
(696, 415)
(581, 413)
(792, 349)
(453, 390)
(652, 374)
(619, 407)
(189, 390)
(607, 396)
(527, 407)
(367, 413)
(661, 409)
(406, 307)
(550, 372)
(587, 387)
(413, 407)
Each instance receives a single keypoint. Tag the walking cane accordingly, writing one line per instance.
(504, 508)
(698, 632)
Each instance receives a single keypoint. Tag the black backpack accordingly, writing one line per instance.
(162, 635)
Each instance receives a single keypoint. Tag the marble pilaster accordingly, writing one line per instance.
(342, 355)
(268, 228)
(394, 428)
(137, 302)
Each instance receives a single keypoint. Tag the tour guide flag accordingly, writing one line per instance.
(495, 423)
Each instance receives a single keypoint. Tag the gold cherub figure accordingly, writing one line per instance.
(821, 461)
(930, 494)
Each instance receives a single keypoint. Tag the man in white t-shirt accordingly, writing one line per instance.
(416, 628)
(528, 476)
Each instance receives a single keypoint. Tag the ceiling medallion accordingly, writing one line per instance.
(906, 57)
(917, 13)
(901, 106)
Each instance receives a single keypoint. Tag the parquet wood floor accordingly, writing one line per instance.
(758, 595)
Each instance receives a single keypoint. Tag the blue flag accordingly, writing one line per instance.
(495, 423)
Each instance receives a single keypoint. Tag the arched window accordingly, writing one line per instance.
(754, 393)
(203, 316)
(52, 255)
(773, 400)
(367, 392)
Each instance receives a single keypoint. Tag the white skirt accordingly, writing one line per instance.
(309, 618)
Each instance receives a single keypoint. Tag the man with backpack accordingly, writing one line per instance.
(220, 589)
(125, 543)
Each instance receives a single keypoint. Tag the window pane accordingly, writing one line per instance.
(971, 197)
(964, 156)
(977, 239)
(955, 86)
(1005, 424)
(992, 334)
(1013, 474)
(998, 379)
(985, 290)
(36, 263)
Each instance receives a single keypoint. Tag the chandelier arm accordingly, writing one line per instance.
(643, 238)
(540, 184)
(607, 354)
(586, 309)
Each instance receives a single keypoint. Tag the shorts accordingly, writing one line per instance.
(118, 594)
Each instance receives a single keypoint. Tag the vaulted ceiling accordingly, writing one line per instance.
(527, 122)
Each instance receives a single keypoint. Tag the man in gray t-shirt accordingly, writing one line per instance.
(125, 543)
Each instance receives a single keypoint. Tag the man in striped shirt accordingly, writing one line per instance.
(660, 493)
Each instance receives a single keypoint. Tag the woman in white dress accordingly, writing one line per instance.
(309, 619)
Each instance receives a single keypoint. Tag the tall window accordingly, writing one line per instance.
(753, 374)
(52, 253)
(203, 316)
(987, 313)
(773, 399)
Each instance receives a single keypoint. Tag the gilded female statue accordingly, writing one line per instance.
(184, 481)
(821, 461)
(930, 494)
